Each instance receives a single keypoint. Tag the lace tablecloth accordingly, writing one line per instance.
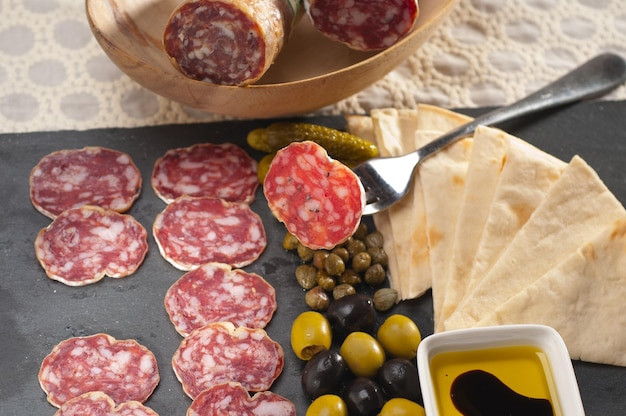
(54, 76)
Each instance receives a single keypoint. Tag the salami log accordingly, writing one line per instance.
(123, 369)
(97, 403)
(320, 200)
(82, 245)
(233, 399)
(219, 352)
(229, 42)
(193, 231)
(213, 170)
(363, 24)
(89, 176)
(216, 293)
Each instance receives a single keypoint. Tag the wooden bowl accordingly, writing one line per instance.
(311, 71)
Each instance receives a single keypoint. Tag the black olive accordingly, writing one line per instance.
(351, 313)
(323, 373)
(398, 378)
(363, 397)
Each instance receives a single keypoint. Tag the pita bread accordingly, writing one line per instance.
(582, 298)
(575, 207)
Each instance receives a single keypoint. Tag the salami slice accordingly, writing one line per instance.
(233, 399)
(89, 176)
(228, 42)
(320, 200)
(213, 170)
(216, 293)
(123, 369)
(219, 352)
(192, 231)
(82, 245)
(363, 24)
(97, 403)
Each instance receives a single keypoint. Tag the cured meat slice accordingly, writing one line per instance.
(319, 200)
(213, 170)
(123, 369)
(89, 176)
(363, 24)
(193, 231)
(82, 245)
(228, 42)
(216, 293)
(97, 403)
(233, 399)
(220, 352)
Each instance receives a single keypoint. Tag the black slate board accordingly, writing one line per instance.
(37, 313)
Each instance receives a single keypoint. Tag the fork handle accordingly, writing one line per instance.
(592, 79)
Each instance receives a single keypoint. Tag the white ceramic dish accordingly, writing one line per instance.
(568, 401)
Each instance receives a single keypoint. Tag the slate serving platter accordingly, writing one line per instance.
(37, 313)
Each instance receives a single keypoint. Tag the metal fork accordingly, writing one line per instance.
(387, 179)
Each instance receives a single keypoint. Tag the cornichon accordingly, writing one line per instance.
(339, 144)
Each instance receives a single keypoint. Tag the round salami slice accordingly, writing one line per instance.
(193, 231)
(212, 170)
(233, 399)
(97, 403)
(216, 293)
(363, 24)
(82, 245)
(90, 176)
(319, 200)
(220, 352)
(123, 369)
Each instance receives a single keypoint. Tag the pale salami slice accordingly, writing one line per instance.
(97, 403)
(193, 231)
(220, 352)
(216, 293)
(363, 24)
(319, 200)
(233, 399)
(228, 42)
(82, 245)
(90, 176)
(212, 170)
(123, 369)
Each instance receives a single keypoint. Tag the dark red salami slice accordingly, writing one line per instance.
(363, 24)
(82, 245)
(216, 293)
(193, 231)
(233, 399)
(97, 403)
(220, 352)
(123, 369)
(228, 42)
(320, 200)
(89, 176)
(213, 170)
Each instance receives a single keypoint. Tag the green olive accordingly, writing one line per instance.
(361, 261)
(306, 275)
(401, 407)
(375, 275)
(362, 353)
(317, 299)
(327, 405)
(399, 336)
(334, 265)
(310, 334)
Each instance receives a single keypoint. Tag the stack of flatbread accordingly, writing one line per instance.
(504, 233)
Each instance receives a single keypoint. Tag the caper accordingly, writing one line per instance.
(349, 277)
(374, 239)
(334, 265)
(361, 261)
(355, 246)
(317, 299)
(385, 298)
(379, 255)
(290, 242)
(325, 281)
(319, 257)
(306, 275)
(374, 275)
(361, 232)
(305, 253)
(343, 253)
(342, 290)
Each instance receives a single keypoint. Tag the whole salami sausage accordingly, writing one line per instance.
(97, 403)
(229, 42)
(233, 399)
(363, 24)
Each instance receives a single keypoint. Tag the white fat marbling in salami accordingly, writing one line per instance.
(216, 293)
(97, 403)
(82, 245)
(220, 352)
(319, 200)
(213, 170)
(363, 24)
(193, 231)
(89, 176)
(233, 399)
(123, 369)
